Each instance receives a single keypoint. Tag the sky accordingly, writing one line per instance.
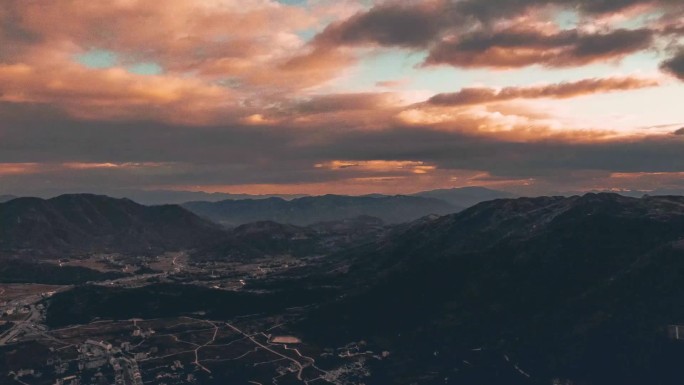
(341, 96)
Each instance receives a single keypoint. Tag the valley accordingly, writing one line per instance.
(548, 290)
(85, 332)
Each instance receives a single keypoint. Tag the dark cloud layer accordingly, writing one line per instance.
(488, 10)
(465, 33)
(343, 102)
(410, 24)
(469, 96)
(421, 23)
(675, 65)
(234, 155)
(519, 48)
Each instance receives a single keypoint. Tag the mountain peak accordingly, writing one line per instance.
(84, 223)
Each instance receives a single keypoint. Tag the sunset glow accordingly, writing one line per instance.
(340, 96)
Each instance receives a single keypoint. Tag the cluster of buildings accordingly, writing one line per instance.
(13, 310)
(102, 362)
(143, 333)
(22, 307)
(24, 373)
(105, 360)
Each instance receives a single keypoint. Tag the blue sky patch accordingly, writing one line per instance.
(97, 59)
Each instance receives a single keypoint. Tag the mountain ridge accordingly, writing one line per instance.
(308, 210)
(85, 223)
(561, 285)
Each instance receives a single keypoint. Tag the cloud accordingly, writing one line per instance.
(252, 49)
(501, 157)
(379, 166)
(168, 32)
(280, 158)
(346, 102)
(421, 24)
(227, 61)
(111, 93)
(47, 168)
(359, 111)
(391, 83)
(471, 96)
(505, 34)
(514, 48)
(18, 168)
(408, 24)
(675, 65)
(488, 10)
(111, 166)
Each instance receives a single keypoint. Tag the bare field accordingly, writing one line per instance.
(101, 263)
(14, 291)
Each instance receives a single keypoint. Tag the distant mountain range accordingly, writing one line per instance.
(157, 197)
(576, 290)
(461, 197)
(88, 223)
(85, 223)
(309, 210)
(466, 196)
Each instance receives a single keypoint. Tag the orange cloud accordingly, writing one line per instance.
(359, 185)
(109, 165)
(414, 167)
(255, 42)
(111, 93)
(471, 96)
(180, 34)
(38, 168)
(503, 122)
(657, 183)
(391, 83)
(214, 55)
(358, 111)
(314, 66)
(18, 168)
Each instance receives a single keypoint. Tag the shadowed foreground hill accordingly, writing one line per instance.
(84, 223)
(579, 289)
(309, 210)
(268, 239)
